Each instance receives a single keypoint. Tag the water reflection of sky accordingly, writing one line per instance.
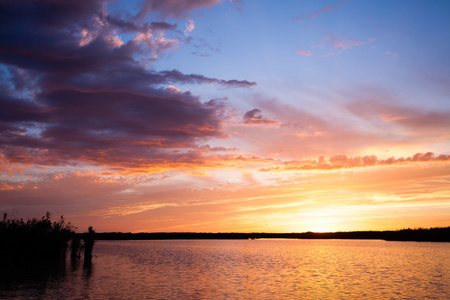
(240, 269)
(37, 279)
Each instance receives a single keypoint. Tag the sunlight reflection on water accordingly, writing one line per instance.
(243, 269)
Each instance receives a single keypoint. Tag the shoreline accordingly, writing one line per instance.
(438, 234)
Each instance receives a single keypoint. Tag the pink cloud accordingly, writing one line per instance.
(303, 52)
(382, 126)
(392, 118)
(346, 44)
(325, 9)
(333, 42)
(189, 27)
(393, 55)
(306, 134)
(329, 37)
(412, 119)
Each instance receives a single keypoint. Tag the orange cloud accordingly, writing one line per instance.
(235, 198)
(390, 118)
(348, 162)
(376, 199)
(305, 134)
(7, 187)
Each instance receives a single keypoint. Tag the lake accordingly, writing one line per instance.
(241, 269)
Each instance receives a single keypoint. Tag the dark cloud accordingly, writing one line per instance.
(208, 148)
(48, 13)
(131, 26)
(93, 125)
(177, 76)
(255, 117)
(74, 91)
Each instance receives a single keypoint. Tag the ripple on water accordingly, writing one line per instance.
(242, 269)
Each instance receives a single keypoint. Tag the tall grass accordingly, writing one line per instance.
(40, 238)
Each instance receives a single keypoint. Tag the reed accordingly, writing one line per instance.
(39, 238)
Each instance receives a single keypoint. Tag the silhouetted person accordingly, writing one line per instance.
(89, 240)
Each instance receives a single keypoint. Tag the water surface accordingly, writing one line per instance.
(244, 269)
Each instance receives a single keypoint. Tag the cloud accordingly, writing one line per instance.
(144, 203)
(189, 27)
(77, 92)
(325, 9)
(393, 55)
(340, 161)
(412, 120)
(208, 148)
(369, 122)
(127, 26)
(306, 134)
(392, 118)
(254, 117)
(177, 76)
(303, 52)
(80, 191)
(110, 128)
(346, 44)
(342, 43)
(331, 44)
(9, 187)
(173, 8)
(204, 48)
(328, 8)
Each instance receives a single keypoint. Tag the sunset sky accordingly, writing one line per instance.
(220, 116)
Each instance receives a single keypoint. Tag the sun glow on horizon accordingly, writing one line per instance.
(321, 227)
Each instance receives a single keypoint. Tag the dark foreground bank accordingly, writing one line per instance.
(437, 234)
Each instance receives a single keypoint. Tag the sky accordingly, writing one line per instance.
(226, 116)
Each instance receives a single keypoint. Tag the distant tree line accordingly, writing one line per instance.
(40, 238)
(436, 234)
